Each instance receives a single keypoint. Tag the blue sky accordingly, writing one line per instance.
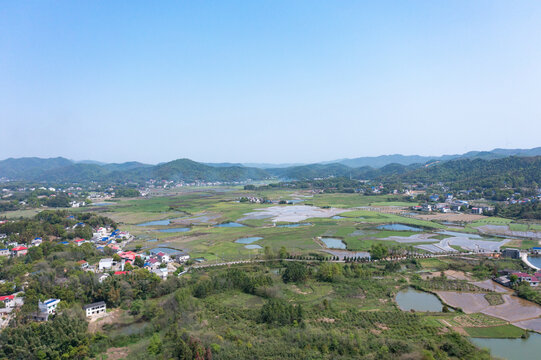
(267, 81)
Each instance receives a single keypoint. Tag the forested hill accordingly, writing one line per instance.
(459, 173)
(463, 174)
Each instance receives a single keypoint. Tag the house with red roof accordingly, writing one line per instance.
(8, 300)
(83, 264)
(531, 279)
(19, 251)
(127, 255)
(121, 272)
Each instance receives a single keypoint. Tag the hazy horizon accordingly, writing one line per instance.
(270, 82)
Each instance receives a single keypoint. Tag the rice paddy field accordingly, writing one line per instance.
(207, 222)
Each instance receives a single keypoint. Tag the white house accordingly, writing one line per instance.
(95, 308)
(162, 273)
(8, 300)
(102, 277)
(183, 257)
(48, 306)
(105, 264)
(4, 252)
(164, 258)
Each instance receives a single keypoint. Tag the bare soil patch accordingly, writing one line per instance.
(451, 217)
(117, 353)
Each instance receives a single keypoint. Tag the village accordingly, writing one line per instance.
(112, 241)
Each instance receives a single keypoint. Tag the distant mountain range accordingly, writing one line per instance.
(414, 167)
(380, 161)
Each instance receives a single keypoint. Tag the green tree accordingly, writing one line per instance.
(155, 345)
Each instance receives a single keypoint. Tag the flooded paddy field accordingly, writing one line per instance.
(519, 312)
(292, 213)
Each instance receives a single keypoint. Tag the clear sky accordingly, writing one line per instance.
(267, 81)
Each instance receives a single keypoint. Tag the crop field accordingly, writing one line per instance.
(202, 209)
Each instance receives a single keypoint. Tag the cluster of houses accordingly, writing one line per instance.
(508, 278)
(157, 262)
(451, 205)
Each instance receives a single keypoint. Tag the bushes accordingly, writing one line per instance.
(279, 312)
(295, 272)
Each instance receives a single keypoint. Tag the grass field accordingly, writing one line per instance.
(502, 331)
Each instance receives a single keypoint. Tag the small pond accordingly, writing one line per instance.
(230, 225)
(294, 201)
(103, 204)
(535, 261)
(418, 300)
(333, 243)
(253, 246)
(337, 217)
(152, 240)
(399, 227)
(512, 349)
(164, 250)
(174, 230)
(357, 233)
(248, 240)
(156, 223)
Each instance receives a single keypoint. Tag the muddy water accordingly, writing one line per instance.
(512, 349)
(417, 300)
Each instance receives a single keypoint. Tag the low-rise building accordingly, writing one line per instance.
(105, 264)
(511, 253)
(8, 300)
(4, 252)
(182, 257)
(19, 251)
(48, 306)
(95, 308)
(531, 279)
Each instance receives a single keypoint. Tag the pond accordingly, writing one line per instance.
(399, 227)
(337, 217)
(156, 223)
(253, 246)
(535, 261)
(103, 204)
(248, 240)
(333, 243)
(418, 300)
(512, 349)
(294, 201)
(293, 225)
(174, 230)
(164, 250)
(230, 225)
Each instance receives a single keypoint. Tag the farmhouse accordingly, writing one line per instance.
(48, 306)
(8, 300)
(531, 279)
(19, 251)
(95, 308)
(105, 264)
